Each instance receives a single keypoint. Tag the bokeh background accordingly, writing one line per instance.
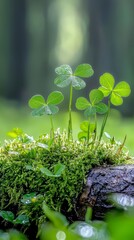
(37, 36)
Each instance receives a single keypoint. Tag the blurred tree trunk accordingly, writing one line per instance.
(111, 41)
(41, 39)
(124, 48)
(101, 49)
(5, 25)
(16, 82)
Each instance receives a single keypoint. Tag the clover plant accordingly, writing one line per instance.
(95, 105)
(92, 106)
(9, 216)
(115, 94)
(67, 77)
(48, 107)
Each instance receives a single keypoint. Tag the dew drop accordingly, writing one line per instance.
(60, 235)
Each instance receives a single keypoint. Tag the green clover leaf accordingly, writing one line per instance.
(94, 105)
(84, 70)
(56, 218)
(122, 89)
(7, 215)
(36, 101)
(82, 103)
(42, 107)
(87, 128)
(67, 77)
(55, 98)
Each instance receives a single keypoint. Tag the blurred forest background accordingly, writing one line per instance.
(38, 35)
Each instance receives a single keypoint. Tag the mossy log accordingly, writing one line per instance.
(101, 182)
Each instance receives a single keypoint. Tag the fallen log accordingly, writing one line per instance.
(101, 182)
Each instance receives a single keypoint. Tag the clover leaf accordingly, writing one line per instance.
(87, 129)
(42, 107)
(115, 93)
(67, 77)
(93, 105)
(58, 219)
(9, 216)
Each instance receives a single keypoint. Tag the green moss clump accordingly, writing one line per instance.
(22, 158)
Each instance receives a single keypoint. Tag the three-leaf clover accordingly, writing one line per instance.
(115, 93)
(48, 107)
(93, 105)
(67, 77)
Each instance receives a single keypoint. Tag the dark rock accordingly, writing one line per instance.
(101, 183)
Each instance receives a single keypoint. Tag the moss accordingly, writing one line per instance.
(22, 158)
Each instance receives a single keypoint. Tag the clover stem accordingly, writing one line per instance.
(95, 130)
(70, 114)
(52, 127)
(88, 132)
(104, 121)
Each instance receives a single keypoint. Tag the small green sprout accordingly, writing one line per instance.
(114, 94)
(15, 132)
(48, 107)
(87, 130)
(58, 170)
(9, 216)
(66, 77)
(31, 198)
(92, 106)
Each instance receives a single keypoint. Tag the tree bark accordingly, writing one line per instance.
(101, 182)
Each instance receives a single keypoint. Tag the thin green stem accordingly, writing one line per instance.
(70, 114)
(52, 127)
(104, 121)
(95, 133)
(88, 132)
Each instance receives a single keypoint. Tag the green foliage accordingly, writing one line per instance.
(58, 170)
(122, 89)
(24, 184)
(93, 106)
(117, 226)
(12, 235)
(9, 216)
(51, 170)
(114, 94)
(67, 77)
(48, 107)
